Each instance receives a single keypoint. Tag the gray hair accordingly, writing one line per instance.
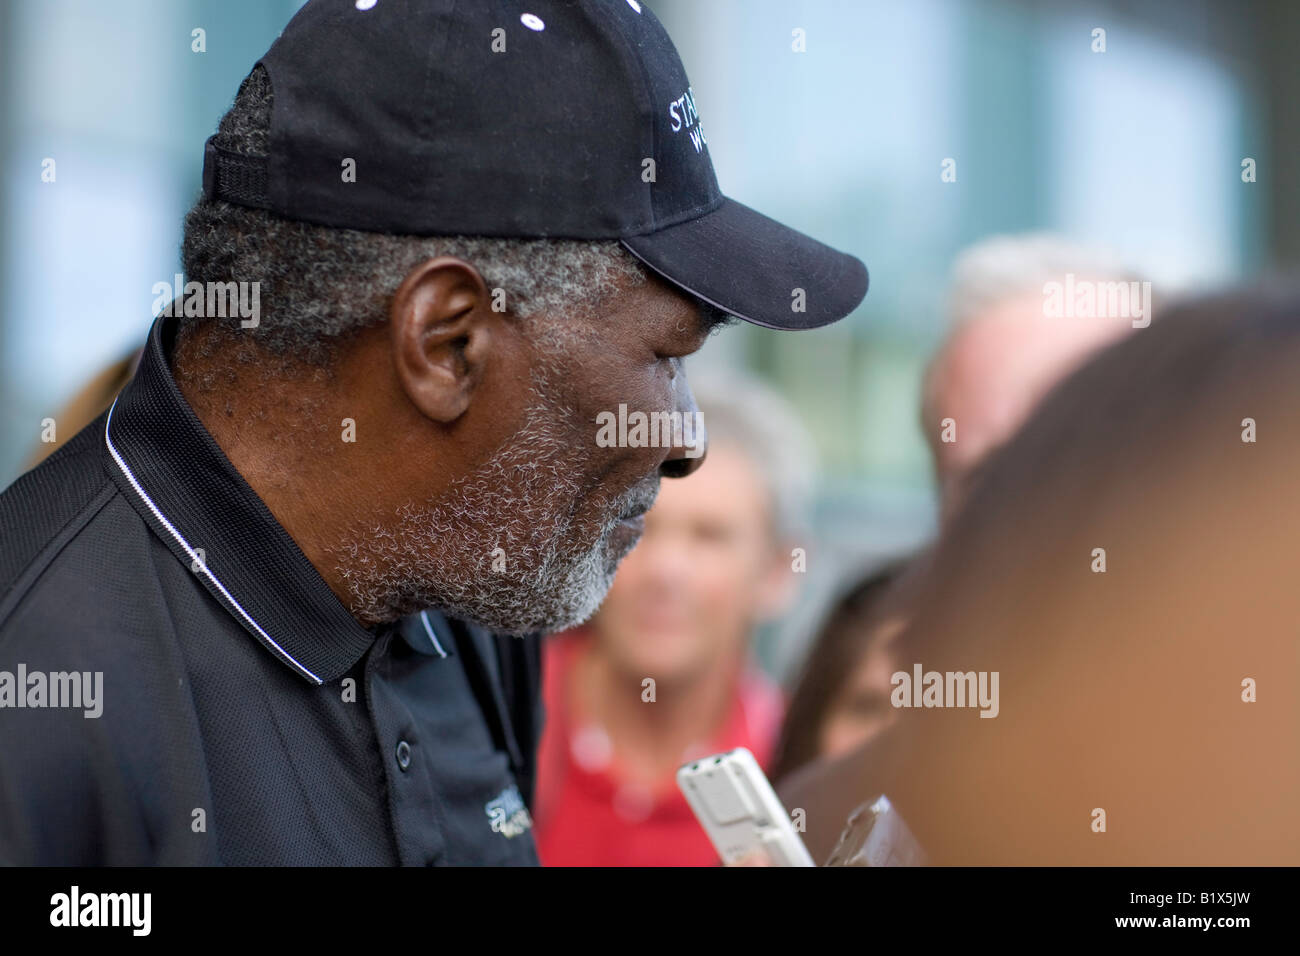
(741, 412)
(1004, 267)
(320, 283)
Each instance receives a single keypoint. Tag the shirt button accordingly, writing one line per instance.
(403, 754)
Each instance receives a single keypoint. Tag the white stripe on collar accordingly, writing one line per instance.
(194, 557)
(424, 616)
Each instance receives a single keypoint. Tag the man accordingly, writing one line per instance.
(1010, 343)
(246, 615)
(714, 563)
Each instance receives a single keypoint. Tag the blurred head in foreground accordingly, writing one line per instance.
(1127, 565)
(1025, 311)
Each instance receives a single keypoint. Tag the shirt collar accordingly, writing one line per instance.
(174, 473)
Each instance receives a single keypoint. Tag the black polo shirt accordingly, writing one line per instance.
(244, 716)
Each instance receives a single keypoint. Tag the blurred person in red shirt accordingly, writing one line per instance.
(663, 674)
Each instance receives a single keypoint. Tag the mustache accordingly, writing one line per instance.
(637, 500)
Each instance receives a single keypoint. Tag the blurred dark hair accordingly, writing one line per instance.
(849, 632)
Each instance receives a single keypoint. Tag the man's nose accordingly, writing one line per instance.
(690, 444)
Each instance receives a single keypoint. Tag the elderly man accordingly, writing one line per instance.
(1013, 339)
(247, 615)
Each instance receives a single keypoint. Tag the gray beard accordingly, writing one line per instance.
(502, 547)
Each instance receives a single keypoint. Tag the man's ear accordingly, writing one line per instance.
(442, 335)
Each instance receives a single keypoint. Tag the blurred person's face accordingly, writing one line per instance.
(862, 708)
(707, 569)
(995, 369)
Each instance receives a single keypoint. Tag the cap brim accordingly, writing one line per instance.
(750, 266)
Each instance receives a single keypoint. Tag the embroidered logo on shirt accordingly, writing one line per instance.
(507, 812)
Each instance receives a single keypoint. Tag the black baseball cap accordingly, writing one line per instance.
(525, 118)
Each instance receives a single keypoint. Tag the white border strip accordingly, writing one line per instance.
(424, 616)
(194, 558)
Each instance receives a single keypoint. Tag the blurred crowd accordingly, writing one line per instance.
(1112, 543)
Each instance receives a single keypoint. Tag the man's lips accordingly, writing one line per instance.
(636, 512)
(632, 522)
(635, 508)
